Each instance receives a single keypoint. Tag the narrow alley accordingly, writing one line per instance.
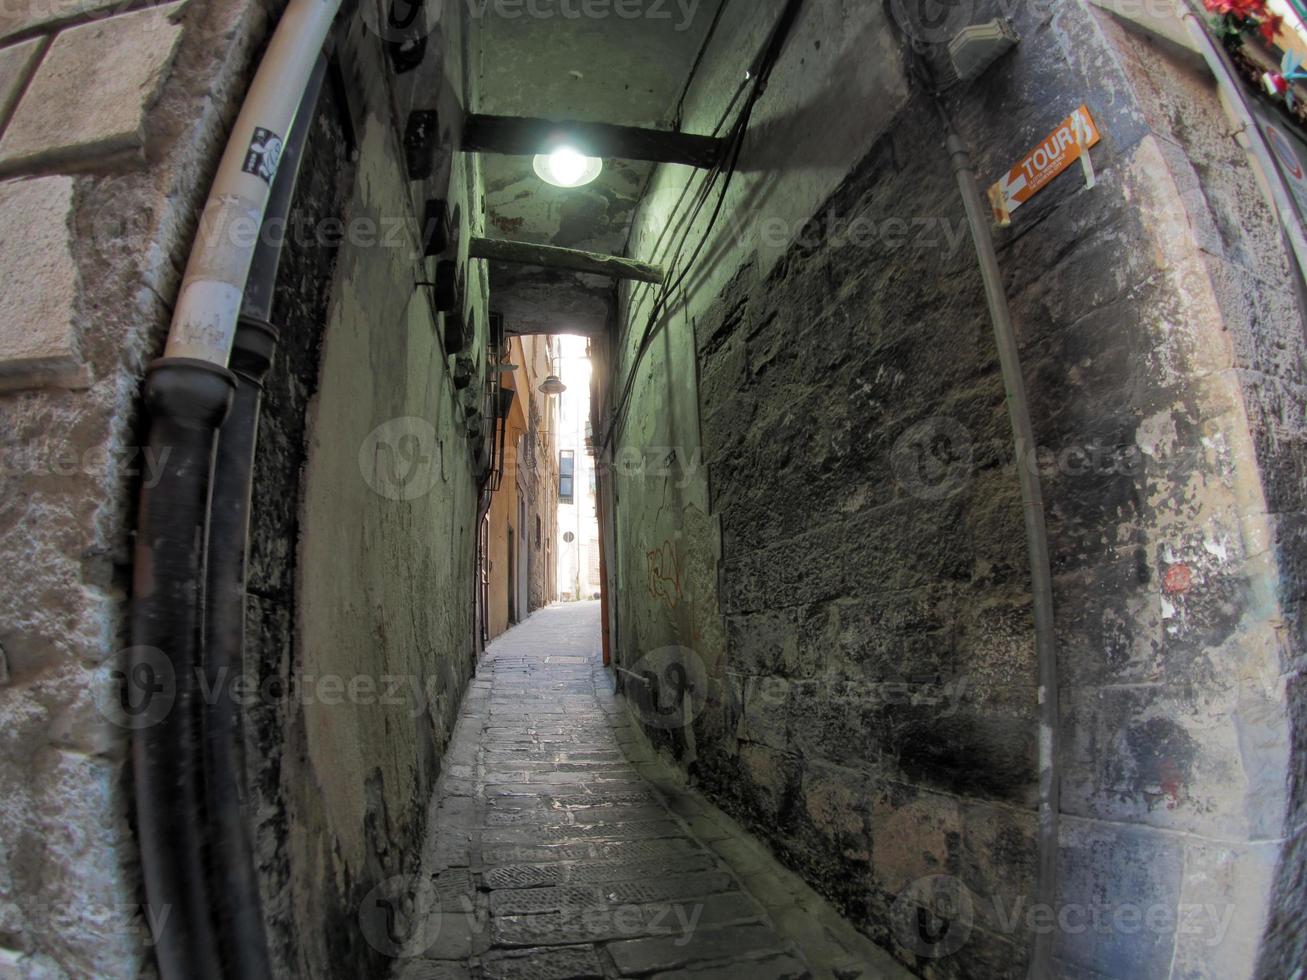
(558, 489)
(561, 847)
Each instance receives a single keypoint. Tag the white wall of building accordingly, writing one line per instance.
(578, 559)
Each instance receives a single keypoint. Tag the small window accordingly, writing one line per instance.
(537, 532)
(566, 475)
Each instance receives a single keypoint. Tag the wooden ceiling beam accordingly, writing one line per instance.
(525, 136)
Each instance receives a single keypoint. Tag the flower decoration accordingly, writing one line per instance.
(1235, 18)
(1280, 83)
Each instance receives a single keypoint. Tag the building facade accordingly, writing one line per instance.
(518, 560)
(578, 552)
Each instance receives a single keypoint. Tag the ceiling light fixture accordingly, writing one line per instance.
(567, 167)
(553, 385)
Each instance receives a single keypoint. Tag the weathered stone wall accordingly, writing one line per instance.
(274, 655)
(862, 618)
(383, 617)
(1240, 262)
(112, 124)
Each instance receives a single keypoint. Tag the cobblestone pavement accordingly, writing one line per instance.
(560, 847)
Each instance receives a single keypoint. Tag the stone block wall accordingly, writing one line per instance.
(112, 120)
(839, 561)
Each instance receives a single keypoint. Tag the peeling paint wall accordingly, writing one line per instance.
(362, 559)
(273, 653)
(383, 621)
(816, 497)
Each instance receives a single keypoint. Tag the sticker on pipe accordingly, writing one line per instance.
(263, 155)
(1071, 141)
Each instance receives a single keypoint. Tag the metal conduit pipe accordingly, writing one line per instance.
(187, 400)
(204, 322)
(188, 393)
(238, 907)
(1032, 499)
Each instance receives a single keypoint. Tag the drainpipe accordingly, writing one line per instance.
(188, 393)
(1032, 499)
(236, 897)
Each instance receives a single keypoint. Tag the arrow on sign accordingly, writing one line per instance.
(1070, 142)
(1010, 187)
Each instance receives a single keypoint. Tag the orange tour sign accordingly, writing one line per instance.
(1064, 146)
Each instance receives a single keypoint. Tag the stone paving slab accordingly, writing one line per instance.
(560, 847)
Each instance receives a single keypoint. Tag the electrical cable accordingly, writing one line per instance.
(698, 62)
(759, 74)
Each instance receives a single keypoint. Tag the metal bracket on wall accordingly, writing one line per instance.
(421, 139)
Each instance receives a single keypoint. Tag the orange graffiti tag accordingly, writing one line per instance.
(665, 574)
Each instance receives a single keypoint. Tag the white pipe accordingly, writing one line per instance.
(204, 321)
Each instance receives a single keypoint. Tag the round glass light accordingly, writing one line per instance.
(553, 385)
(567, 167)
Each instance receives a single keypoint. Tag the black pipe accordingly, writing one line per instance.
(187, 401)
(238, 907)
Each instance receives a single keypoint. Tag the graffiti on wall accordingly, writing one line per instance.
(665, 574)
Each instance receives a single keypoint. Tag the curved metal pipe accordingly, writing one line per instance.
(204, 322)
(188, 393)
(1032, 499)
(188, 400)
(238, 908)
(238, 905)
